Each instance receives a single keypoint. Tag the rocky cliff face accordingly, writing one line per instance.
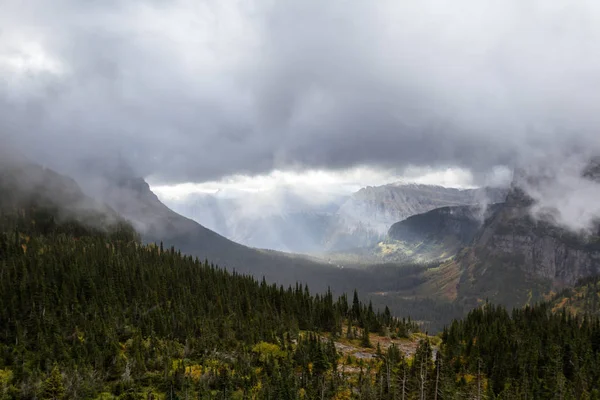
(366, 217)
(461, 222)
(537, 245)
(433, 236)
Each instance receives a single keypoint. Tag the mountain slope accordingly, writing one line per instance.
(34, 197)
(283, 219)
(126, 319)
(88, 318)
(132, 198)
(366, 217)
(516, 258)
(290, 220)
(436, 235)
(583, 298)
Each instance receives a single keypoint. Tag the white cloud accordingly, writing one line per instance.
(317, 181)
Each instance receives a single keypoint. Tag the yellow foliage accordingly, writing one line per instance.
(194, 372)
(343, 394)
(6, 376)
(211, 364)
(175, 364)
(469, 378)
(310, 367)
(255, 390)
(24, 247)
(302, 393)
(266, 350)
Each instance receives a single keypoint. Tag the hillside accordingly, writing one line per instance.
(516, 258)
(436, 235)
(99, 318)
(49, 202)
(366, 217)
(433, 236)
(120, 317)
(280, 219)
(581, 299)
(24, 185)
(45, 201)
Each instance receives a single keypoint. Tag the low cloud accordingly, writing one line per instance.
(562, 192)
(194, 91)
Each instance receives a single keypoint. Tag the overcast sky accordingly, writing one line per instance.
(201, 91)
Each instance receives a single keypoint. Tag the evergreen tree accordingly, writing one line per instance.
(52, 388)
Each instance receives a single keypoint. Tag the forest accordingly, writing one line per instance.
(89, 313)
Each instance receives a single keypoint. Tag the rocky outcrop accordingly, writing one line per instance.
(383, 206)
(460, 222)
(537, 245)
(432, 236)
(367, 216)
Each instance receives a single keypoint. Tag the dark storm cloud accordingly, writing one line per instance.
(193, 91)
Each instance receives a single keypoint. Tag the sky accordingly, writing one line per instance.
(218, 93)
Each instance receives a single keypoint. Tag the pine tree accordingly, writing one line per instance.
(365, 339)
(52, 387)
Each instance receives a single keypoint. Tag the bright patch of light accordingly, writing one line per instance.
(29, 57)
(449, 177)
(335, 182)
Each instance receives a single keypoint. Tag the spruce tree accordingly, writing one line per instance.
(52, 387)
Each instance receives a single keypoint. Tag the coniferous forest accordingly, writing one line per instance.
(93, 314)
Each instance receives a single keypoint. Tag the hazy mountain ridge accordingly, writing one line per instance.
(27, 187)
(395, 202)
(291, 221)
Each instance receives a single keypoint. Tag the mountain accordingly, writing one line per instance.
(381, 205)
(513, 255)
(34, 199)
(366, 217)
(41, 196)
(517, 257)
(435, 235)
(132, 198)
(295, 221)
(120, 205)
(90, 317)
(281, 219)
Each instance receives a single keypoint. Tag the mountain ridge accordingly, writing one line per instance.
(297, 223)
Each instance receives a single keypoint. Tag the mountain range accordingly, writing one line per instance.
(455, 255)
(294, 221)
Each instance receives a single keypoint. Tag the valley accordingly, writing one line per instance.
(321, 223)
(185, 326)
(299, 200)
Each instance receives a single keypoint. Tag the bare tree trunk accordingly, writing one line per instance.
(437, 378)
(387, 363)
(404, 383)
(422, 376)
(479, 379)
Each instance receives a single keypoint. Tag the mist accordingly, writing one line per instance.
(193, 92)
(563, 193)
